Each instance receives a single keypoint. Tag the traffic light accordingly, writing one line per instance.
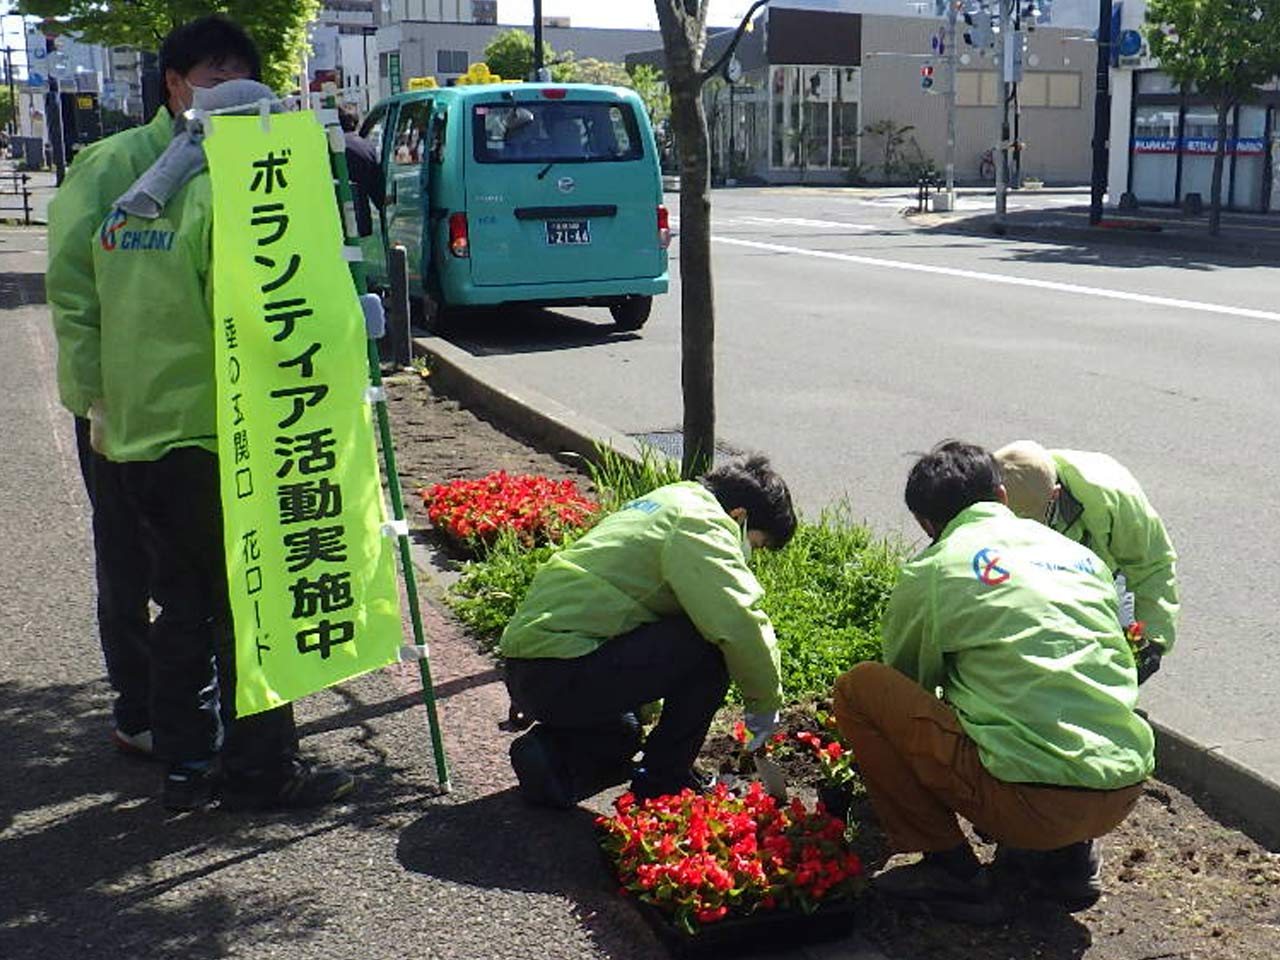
(926, 77)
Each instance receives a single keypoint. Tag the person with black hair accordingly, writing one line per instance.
(152, 427)
(656, 602)
(1034, 738)
(364, 169)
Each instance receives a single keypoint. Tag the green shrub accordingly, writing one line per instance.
(826, 593)
(491, 587)
(618, 479)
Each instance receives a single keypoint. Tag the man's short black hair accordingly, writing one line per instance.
(951, 477)
(348, 118)
(754, 485)
(213, 39)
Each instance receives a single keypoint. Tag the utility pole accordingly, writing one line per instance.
(13, 96)
(953, 11)
(539, 63)
(1004, 73)
(1101, 115)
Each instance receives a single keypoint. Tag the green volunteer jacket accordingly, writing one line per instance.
(674, 550)
(1103, 507)
(1018, 626)
(129, 301)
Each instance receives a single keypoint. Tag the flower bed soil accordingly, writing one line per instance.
(1180, 885)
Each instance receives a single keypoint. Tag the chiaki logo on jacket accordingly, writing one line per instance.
(992, 569)
(986, 567)
(114, 236)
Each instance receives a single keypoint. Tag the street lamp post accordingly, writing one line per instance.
(539, 58)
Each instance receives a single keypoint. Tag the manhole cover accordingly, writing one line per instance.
(671, 442)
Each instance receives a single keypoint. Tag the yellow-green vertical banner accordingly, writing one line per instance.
(314, 598)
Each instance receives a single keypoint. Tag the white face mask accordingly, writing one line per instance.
(746, 540)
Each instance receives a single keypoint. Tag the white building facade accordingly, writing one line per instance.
(1162, 141)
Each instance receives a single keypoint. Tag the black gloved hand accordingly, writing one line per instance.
(1148, 662)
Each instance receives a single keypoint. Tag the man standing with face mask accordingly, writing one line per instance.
(135, 353)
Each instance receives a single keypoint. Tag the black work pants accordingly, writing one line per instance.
(191, 644)
(121, 570)
(589, 702)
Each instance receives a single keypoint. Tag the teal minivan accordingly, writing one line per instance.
(531, 193)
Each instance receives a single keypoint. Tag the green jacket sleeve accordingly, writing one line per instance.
(907, 633)
(75, 214)
(703, 564)
(1143, 552)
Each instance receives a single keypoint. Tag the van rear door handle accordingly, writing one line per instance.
(557, 213)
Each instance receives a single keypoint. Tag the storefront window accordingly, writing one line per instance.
(815, 117)
(1251, 157)
(1199, 137)
(1155, 154)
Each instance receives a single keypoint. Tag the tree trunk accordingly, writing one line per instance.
(1219, 157)
(683, 37)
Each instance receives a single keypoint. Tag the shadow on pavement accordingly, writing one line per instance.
(529, 330)
(1061, 239)
(92, 865)
(499, 842)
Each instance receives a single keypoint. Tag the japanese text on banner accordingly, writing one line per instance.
(314, 598)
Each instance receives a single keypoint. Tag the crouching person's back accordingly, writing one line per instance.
(1034, 739)
(656, 602)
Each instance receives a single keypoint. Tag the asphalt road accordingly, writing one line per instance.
(848, 339)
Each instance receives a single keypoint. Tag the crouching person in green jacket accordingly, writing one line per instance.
(656, 602)
(1095, 501)
(1034, 739)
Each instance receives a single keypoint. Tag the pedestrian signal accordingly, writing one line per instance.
(926, 77)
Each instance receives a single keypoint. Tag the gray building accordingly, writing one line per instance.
(427, 48)
(821, 92)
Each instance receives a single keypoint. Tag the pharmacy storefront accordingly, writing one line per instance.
(1173, 140)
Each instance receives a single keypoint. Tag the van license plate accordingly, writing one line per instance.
(568, 231)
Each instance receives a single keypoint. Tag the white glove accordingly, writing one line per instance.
(759, 725)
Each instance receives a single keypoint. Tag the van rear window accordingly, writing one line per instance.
(561, 131)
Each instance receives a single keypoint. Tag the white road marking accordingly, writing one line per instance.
(1006, 279)
(786, 222)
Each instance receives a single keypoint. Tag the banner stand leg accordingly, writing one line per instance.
(338, 157)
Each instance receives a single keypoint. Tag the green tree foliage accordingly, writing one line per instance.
(279, 27)
(1226, 48)
(510, 54)
(8, 113)
(591, 70)
(647, 82)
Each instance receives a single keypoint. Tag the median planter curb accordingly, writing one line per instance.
(1243, 797)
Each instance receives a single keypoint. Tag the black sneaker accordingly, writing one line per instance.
(1070, 875)
(646, 787)
(188, 787)
(974, 900)
(543, 775)
(299, 784)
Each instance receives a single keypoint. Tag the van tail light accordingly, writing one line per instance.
(459, 241)
(554, 93)
(664, 228)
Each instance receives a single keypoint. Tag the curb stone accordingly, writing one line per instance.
(1248, 799)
